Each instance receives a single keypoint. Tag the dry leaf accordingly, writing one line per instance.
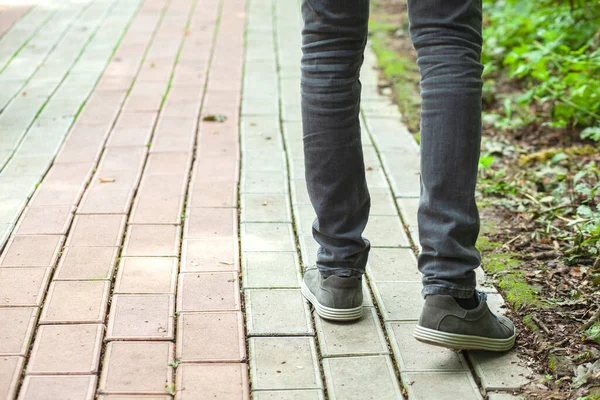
(107, 180)
(225, 263)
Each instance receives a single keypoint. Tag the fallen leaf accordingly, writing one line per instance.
(215, 118)
(225, 262)
(265, 203)
(107, 180)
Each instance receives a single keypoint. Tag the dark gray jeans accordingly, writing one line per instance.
(447, 37)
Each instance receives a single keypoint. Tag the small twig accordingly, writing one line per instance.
(505, 245)
(591, 321)
(540, 324)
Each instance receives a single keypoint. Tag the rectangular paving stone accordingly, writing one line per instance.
(86, 263)
(219, 381)
(211, 337)
(485, 283)
(299, 192)
(408, 210)
(63, 185)
(260, 161)
(21, 165)
(123, 159)
(277, 312)
(305, 216)
(393, 265)
(216, 169)
(46, 220)
(499, 371)
(399, 301)
(146, 275)
(149, 374)
(152, 241)
(271, 182)
(96, 231)
(21, 187)
(267, 237)
(66, 349)
(375, 176)
(111, 195)
(16, 329)
(361, 377)
(213, 194)
(309, 394)
(386, 231)
(363, 337)
(141, 317)
(404, 176)
(168, 163)
(208, 223)
(283, 363)
(174, 134)
(132, 129)
(208, 291)
(10, 374)
(382, 202)
(413, 355)
(11, 209)
(76, 302)
(308, 248)
(36, 387)
(31, 251)
(159, 200)
(23, 286)
(440, 385)
(209, 255)
(265, 208)
(270, 270)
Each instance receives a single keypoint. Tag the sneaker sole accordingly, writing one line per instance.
(462, 342)
(333, 314)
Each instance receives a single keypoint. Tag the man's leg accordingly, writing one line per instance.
(447, 37)
(333, 42)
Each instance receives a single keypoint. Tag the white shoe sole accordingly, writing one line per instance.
(333, 314)
(462, 342)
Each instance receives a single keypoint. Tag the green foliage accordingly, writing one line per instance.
(593, 333)
(552, 48)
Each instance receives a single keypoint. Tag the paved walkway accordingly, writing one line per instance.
(154, 217)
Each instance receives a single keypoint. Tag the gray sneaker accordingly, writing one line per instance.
(444, 323)
(334, 298)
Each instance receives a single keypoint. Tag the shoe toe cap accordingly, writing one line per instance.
(507, 325)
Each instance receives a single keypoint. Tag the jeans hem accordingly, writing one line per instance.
(459, 293)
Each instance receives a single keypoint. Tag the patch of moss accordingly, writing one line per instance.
(517, 291)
